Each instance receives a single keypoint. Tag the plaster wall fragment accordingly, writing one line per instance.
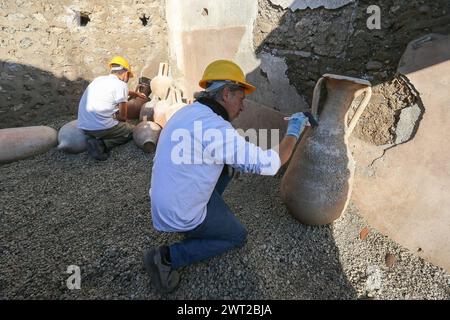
(312, 4)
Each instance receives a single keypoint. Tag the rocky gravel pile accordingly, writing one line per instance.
(58, 210)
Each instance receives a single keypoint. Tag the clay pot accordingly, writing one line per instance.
(21, 143)
(71, 139)
(177, 105)
(146, 135)
(134, 107)
(318, 181)
(148, 109)
(161, 83)
(159, 115)
(144, 86)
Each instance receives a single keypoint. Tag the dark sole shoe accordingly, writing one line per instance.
(95, 150)
(156, 269)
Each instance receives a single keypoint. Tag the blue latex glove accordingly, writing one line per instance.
(297, 123)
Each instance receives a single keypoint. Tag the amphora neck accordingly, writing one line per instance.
(340, 96)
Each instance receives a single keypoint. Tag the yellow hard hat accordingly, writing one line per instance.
(121, 61)
(225, 70)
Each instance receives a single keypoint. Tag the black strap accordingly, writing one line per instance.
(216, 107)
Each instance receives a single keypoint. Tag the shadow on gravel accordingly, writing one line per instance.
(59, 210)
(284, 259)
(31, 96)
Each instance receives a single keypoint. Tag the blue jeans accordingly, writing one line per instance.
(219, 232)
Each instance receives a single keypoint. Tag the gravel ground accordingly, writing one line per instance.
(58, 210)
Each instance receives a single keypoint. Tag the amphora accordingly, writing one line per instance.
(177, 105)
(71, 139)
(135, 104)
(146, 135)
(24, 142)
(318, 181)
(161, 83)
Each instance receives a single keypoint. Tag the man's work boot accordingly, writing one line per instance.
(163, 276)
(96, 149)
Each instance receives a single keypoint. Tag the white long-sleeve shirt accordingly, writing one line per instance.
(192, 150)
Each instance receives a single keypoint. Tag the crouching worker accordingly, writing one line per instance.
(191, 171)
(102, 112)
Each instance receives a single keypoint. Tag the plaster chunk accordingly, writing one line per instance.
(289, 100)
(407, 123)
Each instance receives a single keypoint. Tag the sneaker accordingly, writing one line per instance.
(163, 276)
(96, 149)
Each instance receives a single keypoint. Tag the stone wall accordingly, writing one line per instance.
(50, 50)
(330, 36)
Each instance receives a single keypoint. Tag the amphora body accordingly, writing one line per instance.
(71, 139)
(177, 105)
(135, 104)
(317, 184)
(146, 135)
(160, 84)
(21, 143)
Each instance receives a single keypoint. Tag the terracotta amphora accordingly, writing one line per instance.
(134, 107)
(146, 135)
(317, 184)
(148, 109)
(135, 104)
(161, 83)
(159, 114)
(71, 139)
(24, 142)
(177, 105)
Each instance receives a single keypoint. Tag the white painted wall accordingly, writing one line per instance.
(228, 30)
(186, 16)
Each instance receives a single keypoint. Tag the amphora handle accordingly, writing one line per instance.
(359, 111)
(163, 69)
(316, 98)
(177, 96)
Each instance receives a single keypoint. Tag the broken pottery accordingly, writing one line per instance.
(71, 139)
(146, 135)
(318, 181)
(24, 142)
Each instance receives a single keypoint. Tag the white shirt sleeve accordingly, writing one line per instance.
(121, 94)
(225, 145)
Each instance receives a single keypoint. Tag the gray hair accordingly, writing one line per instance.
(117, 69)
(217, 94)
